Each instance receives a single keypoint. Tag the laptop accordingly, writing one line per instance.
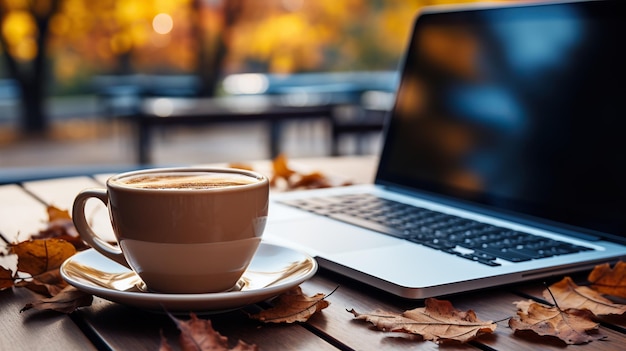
(503, 160)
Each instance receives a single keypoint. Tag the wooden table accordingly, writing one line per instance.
(110, 326)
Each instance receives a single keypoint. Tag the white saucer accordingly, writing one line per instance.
(273, 270)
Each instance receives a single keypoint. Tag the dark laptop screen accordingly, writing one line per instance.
(517, 108)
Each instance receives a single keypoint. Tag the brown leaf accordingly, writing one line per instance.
(572, 326)
(6, 278)
(569, 295)
(41, 255)
(315, 180)
(198, 334)
(61, 226)
(48, 283)
(439, 321)
(55, 213)
(280, 169)
(243, 166)
(609, 281)
(68, 300)
(292, 306)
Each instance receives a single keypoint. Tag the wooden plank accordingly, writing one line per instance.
(340, 325)
(61, 193)
(34, 330)
(126, 328)
(499, 304)
(21, 215)
(495, 305)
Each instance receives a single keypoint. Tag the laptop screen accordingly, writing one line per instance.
(518, 108)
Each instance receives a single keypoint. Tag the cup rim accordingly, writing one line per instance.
(263, 180)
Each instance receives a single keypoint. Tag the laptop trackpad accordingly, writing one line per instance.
(319, 236)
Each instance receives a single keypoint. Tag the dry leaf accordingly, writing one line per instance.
(292, 306)
(572, 326)
(6, 278)
(66, 301)
(60, 226)
(569, 295)
(315, 180)
(55, 213)
(243, 166)
(439, 321)
(281, 170)
(49, 283)
(609, 281)
(292, 180)
(41, 255)
(198, 334)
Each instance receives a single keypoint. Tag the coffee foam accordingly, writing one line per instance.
(186, 180)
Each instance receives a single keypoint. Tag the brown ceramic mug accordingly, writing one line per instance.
(182, 230)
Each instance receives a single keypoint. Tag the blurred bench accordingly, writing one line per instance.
(150, 102)
(177, 112)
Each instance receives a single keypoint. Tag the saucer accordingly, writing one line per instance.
(273, 270)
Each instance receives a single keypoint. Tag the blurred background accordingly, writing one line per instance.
(73, 73)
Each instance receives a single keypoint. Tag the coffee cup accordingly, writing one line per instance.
(182, 230)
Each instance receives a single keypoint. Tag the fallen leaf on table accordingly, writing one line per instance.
(238, 165)
(315, 180)
(572, 326)
(61, 226)
(280, 170)
(49, 283)
(438, 321)
(610, 281)
(39, 256)
(6, 278)
(290, 179)
(198, 334)
(66, 301)
(292, 306)
(568, 294)
(38, 263)
(55, 213)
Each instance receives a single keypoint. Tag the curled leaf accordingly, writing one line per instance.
(610, 281)
(438, 321)
(572, 326)
(198, 334)
(292, 306)
(66, 301)
(570, 295)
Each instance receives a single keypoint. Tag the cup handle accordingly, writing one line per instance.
(85, 231)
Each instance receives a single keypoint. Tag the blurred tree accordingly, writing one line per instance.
(206, 38)
(23, 37)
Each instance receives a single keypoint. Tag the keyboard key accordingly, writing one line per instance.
(437, 230)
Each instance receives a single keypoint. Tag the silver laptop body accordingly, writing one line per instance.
(508, 116)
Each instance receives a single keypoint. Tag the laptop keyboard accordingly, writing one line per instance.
(470, 239)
